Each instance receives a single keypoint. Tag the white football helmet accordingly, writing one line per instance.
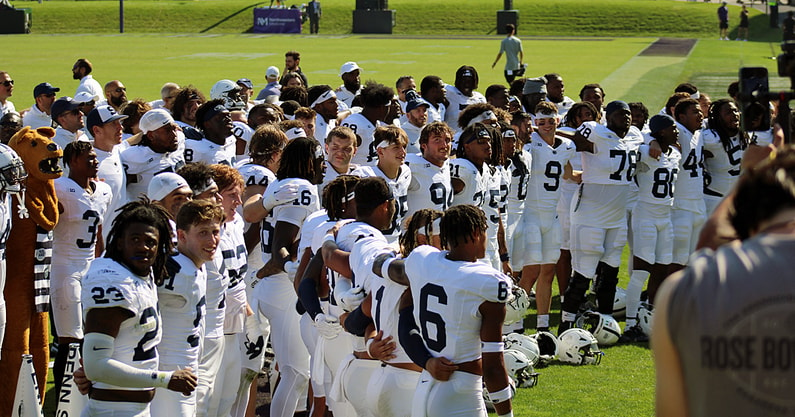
(229, 92)
(547, 347)
(12, 171)
(517, 305)
(620, 304)
(604, 327)
(487, 400)
(525, 344)
(519, 368)
(579, 347)
(646, 318)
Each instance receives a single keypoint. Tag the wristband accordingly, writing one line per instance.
(504, 257)
(501, 395)
(492, 347)
(367, 346)
(385, 267)
(161, 378)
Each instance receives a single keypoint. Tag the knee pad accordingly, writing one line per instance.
(606, 290)
(575, 293)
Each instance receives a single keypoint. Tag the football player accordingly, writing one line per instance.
(77, 238)
(651, 220)
(376, 100)
(461, 94)
(218, 146)
(724, 144)
(430, 185)
(182, 300)
(598, 219)
(550, 166)
(391, 149)
(122, 320)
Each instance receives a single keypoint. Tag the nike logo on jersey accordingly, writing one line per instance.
(94, 348)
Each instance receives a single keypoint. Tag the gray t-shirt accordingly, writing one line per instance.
(511, 46)
(732, 320)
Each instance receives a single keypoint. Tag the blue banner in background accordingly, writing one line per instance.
(268, 20)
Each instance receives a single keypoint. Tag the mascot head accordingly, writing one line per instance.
(39, 153)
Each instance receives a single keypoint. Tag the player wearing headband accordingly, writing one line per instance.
(218, 144)
(462, 94)
(469, 175)
(550, 166)
(391, 150)
(323, 101)
(376, 100)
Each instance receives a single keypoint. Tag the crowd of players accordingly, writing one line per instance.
(373, 234)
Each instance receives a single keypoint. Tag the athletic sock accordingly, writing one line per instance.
(542, 320)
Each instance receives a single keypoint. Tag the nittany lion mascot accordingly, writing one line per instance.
(28, 254)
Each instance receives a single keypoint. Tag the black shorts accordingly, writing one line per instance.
(724, 25)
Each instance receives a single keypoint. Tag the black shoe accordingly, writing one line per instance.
(542, 329)
(564, 325)
(633, 334)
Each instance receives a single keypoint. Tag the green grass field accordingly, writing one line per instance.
(200, 42)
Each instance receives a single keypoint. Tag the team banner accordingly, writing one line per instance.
(27, 402)
(71, 402)
(268, 20)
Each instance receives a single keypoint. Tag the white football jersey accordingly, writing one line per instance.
(458, 102)
(295, 212)
(721, 166)
(365, 153)
(412, 133)
(141, 164)
(519, 170)
(5, 225)
(346, 96)
(75, 235)
(612, 161)
(436, 114)
(210, 152)
(657, 177)
(430, 185)
(400, 189)
(217, 283)
(492, 202)
(331, 174)
(546, 173)
(255, 174)
(244, 132)
(109, 284)
(233, 251)
(111, 172)
(347, 237)
(322, 128)
(475, 181)
(447, 302)
(690, 181)
(182, 309)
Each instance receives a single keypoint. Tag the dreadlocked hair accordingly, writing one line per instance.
(571, 116)
(764, 191)
(145, 212)
(460, 223)
(185, 95)
(335, 195)
(715, 122)
(420, 222)
(497, 158)
(298, 159)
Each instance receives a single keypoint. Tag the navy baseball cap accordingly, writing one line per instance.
(245, 82)
(416, 103)
(63, 105)
(44, 88)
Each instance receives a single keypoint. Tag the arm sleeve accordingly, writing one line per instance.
(357, 322)
(100, 366)
(410, 338)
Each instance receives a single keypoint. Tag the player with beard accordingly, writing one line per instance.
(462, 94)
(186, 103)
(594, 94)
(115, 94)
(351, 83)
(724, 144)
(161, 150)
(414, 120)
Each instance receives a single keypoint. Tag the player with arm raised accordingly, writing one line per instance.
(598, 220)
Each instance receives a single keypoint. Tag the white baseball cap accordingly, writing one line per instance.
(84, 97)
(272, 72)
(154, 119)
(163, 184)
(349, 66)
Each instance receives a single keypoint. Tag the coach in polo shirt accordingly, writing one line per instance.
(105, 125)
(39, 113)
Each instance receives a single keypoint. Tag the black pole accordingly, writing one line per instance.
(121, 16)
